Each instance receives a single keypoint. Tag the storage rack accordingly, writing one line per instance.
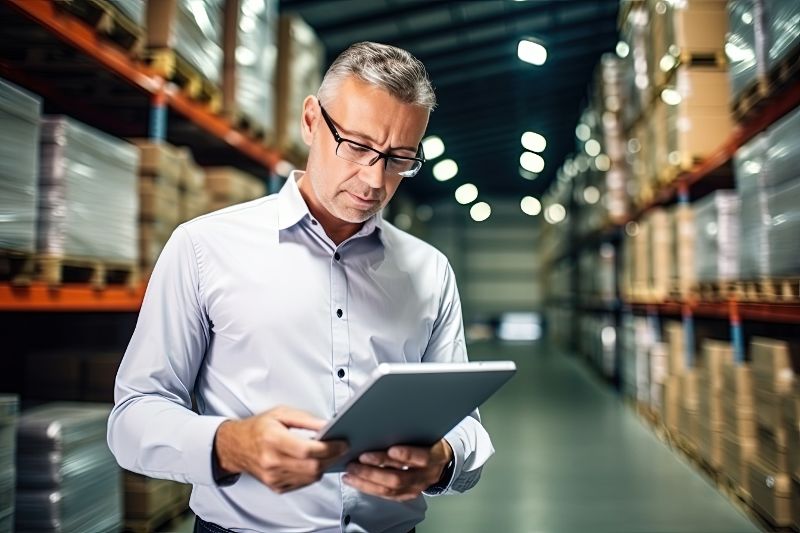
(153, 107)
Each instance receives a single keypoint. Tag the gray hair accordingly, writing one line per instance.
(393, 69)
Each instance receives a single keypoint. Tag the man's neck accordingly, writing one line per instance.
(337, 230)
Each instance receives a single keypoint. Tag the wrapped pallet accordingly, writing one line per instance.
(716, 219)
(660, 254)
(192, 187)
(300, 62)
(782, 19)
(745, 45)
(250, 61)
(147, 499)
(689, 408)
(227, 186)
(782, 157)
(67, 478)
(634, 30)
(87, 193)
(683, 28)
(674, 334)
(19, 168)
(193, 29)
(659, 371)
(9, 407)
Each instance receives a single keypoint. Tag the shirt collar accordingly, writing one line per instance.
(292, 208)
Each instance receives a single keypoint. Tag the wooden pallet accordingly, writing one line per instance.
(787, 69)
(157, 521)
(109, 22)
(716, 291)
(17, 267)
(253, 129)
(171, 66)
(768, 290)
(56, 270)
(763, 89)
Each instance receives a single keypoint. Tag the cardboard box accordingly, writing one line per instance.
(159, 160)
(230, 185)
(736, 456)
(709, 442)
(672, 400)
(660, 256)
(772, 365)
(677, 355)
(158, 201)
(683, 240)
(771, 492)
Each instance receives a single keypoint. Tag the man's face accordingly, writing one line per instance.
(371, 116)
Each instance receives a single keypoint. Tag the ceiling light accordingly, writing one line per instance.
(403, 221)
(556, 213)
(433, 147)
(671, 97)
(532, 162)
(531, 206)
(602, 163)
(531, 52)
(528, 175)
(623, 49)
(591, 194)
(533, 141)
(582, 132)
(592, 147)
(445, 169)
(466, 194)
(480, 211)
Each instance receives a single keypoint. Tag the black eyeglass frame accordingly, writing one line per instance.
(378, 154)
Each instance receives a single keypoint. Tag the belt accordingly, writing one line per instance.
(201, 526)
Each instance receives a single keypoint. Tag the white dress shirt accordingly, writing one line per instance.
(252, 307)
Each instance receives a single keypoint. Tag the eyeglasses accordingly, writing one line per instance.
(364, 155)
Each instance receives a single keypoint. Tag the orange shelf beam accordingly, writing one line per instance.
(786, 313)
(83, 37)
(41, 297)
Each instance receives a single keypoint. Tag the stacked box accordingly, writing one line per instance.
(638, 68)
(791, 414)
(739, 437)
(691, 119)
(673, 391)
(660, 254)
(227, 186)
(250, 59)
(9, 407)
(683, 236)
(193, 29)
(159, 175)
(67, 478)
(716, 220)
(659, 372)
(19, 162)
(771, 493)
(782, 19)
(716, 355)
(644, 173)
(88, 199)
(193, 200)
(147, 498)
(689, 408)
(774, 381)
(681, 28)
(628, 341)
(300, 60)
(644, 337)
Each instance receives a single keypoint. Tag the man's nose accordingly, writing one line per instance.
(373, 175)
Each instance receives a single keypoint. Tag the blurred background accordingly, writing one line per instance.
(616, 184)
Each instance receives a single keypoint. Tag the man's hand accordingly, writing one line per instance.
(401, 473)
(263, 447)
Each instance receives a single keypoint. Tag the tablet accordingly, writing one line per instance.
(414, 404)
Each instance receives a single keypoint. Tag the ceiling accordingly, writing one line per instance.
(487, 96)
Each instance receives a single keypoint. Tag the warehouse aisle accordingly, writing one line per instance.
(571, 457)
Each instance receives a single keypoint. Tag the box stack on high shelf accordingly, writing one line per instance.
(703, 99)
(88, 198)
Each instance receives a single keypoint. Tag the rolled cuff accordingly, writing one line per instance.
(197, 443)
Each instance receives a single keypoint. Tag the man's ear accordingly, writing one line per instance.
(309, 119)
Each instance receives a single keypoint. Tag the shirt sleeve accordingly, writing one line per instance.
(152, 429)
(470, 442)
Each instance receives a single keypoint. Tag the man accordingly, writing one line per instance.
(274, 312)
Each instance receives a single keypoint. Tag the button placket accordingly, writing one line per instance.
(340, 333)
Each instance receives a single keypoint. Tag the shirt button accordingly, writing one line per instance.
(337, 256)
(339, 313)
(346, 519)
(340, 373)
(313, 222)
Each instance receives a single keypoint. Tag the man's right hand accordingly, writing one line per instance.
(263, 447)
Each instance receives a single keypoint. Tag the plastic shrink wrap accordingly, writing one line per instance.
(68, 480)
(88, 193)
(19, 162)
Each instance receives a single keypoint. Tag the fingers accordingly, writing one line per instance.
(389, 483)
(295, 418)
(412, 456)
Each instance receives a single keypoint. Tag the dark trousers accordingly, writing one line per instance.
(201, 526)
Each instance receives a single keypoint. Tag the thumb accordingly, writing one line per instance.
(295, 418)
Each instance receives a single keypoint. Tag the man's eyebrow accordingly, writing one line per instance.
(373, 141)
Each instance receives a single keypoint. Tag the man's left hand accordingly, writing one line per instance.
(400, 473)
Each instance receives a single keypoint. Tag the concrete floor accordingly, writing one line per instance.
(572, 458)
